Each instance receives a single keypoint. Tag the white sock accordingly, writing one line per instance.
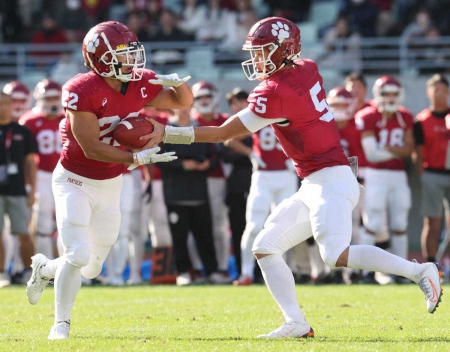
(375, 259)
(281, 284)
(67, 285)
(44, 245)
(399, 245)
(49, 269)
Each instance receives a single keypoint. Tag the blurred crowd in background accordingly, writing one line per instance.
(223, 21)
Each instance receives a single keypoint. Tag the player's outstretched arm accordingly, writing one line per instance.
(232, 127)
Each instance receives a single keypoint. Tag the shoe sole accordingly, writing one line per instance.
(441, 273)
(33, 278)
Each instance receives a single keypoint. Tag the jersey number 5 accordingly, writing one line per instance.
(321, 106)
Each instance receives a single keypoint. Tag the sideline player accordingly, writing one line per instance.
(43, 120)
(386, 127)
(87, 180)
(291, 99)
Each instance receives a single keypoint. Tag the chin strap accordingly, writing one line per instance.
(179, 135)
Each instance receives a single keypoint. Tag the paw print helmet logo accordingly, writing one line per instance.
(272, 42)
(111, 49)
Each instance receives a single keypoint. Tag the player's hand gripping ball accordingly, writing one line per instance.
(129, 130)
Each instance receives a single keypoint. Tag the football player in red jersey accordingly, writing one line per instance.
(356, 84)
(291, 99)
(432, 158)
(87, 180)
(43, 120)
(387, 138)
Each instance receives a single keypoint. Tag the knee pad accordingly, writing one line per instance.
(267, 242)
(92, 270)
(79, 255)
(330, 252)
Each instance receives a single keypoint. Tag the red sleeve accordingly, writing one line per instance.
(265, 102)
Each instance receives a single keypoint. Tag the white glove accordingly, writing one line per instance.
(149, 156)
(171, 80)
(257, 162)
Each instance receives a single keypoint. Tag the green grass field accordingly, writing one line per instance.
(226, 318)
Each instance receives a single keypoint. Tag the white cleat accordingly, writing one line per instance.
(219, 278)
(60, 331)
(430, 284)
(37, 283)
(4, 280)
(292, 329)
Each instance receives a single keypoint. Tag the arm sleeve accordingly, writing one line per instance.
(373, 154)
(254, 122)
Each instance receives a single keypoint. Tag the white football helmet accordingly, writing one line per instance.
(384, 85)
(205, 89)
(47, 94)
(342, 103)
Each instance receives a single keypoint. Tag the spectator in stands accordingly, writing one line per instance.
(386, 17)
(346, 56)
(296, 11)
(73, 19)
(96, 11)
(362, 16)
(191, 16)
(49, 33)
(215, 23)
(137, 22)
(11, 25)
(153, 11)
(432, 137)
(240, 22)
(440, 16)
(168, 31)
(419, 27)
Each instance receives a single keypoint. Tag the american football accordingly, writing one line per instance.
(129, 130)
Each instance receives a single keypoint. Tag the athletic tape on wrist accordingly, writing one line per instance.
(178, 135)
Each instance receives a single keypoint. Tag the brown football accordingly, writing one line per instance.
(129, 130)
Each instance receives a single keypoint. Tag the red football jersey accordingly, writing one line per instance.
(309, 135)
(89, 92)
(387, 132)
(351, 142)
(436, 140)
(267, 147)
(217, 120)
(47, 136)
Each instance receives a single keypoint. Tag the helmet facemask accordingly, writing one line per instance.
(343, 109)
(50, 105)
(386, 100)
(126, 63)
(259, 57)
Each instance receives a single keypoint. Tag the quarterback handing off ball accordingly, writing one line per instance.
(129, 130)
